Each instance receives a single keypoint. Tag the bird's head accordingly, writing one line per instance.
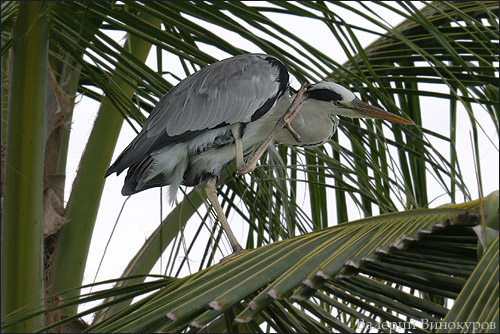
(338, 100)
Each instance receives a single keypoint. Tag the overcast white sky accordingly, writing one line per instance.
(141, 215)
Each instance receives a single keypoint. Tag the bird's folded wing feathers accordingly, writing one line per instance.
(226, 92)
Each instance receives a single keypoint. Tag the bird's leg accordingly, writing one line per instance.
(211, 192)
(235, 129)
(285, 121)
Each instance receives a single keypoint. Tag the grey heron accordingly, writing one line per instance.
(226, 111)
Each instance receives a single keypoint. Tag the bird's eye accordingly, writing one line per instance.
(337, 103)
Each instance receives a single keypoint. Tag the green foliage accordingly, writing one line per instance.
(477, 303)
(349, 277)
(22, 204)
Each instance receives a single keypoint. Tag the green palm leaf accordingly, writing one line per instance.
(362, 273)
(477, 304)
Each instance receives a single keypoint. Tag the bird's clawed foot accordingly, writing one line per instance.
(236, 251)
(284, 122)
(293, 111)
(288, 120)
(247, 167)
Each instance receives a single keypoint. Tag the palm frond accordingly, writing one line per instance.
(398, 268)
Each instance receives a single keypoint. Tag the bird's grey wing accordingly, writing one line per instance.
(226, 92)
(238, 89)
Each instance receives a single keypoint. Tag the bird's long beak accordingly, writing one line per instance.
(366, 110)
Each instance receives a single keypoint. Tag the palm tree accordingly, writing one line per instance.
(411, 265)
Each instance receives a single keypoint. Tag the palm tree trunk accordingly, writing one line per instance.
(22, 249)
(71, 255)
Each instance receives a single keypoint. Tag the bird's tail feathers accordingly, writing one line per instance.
(160, 168)
(131, 155)
(176, 179)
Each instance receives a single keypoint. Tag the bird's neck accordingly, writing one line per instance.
(314, 123)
